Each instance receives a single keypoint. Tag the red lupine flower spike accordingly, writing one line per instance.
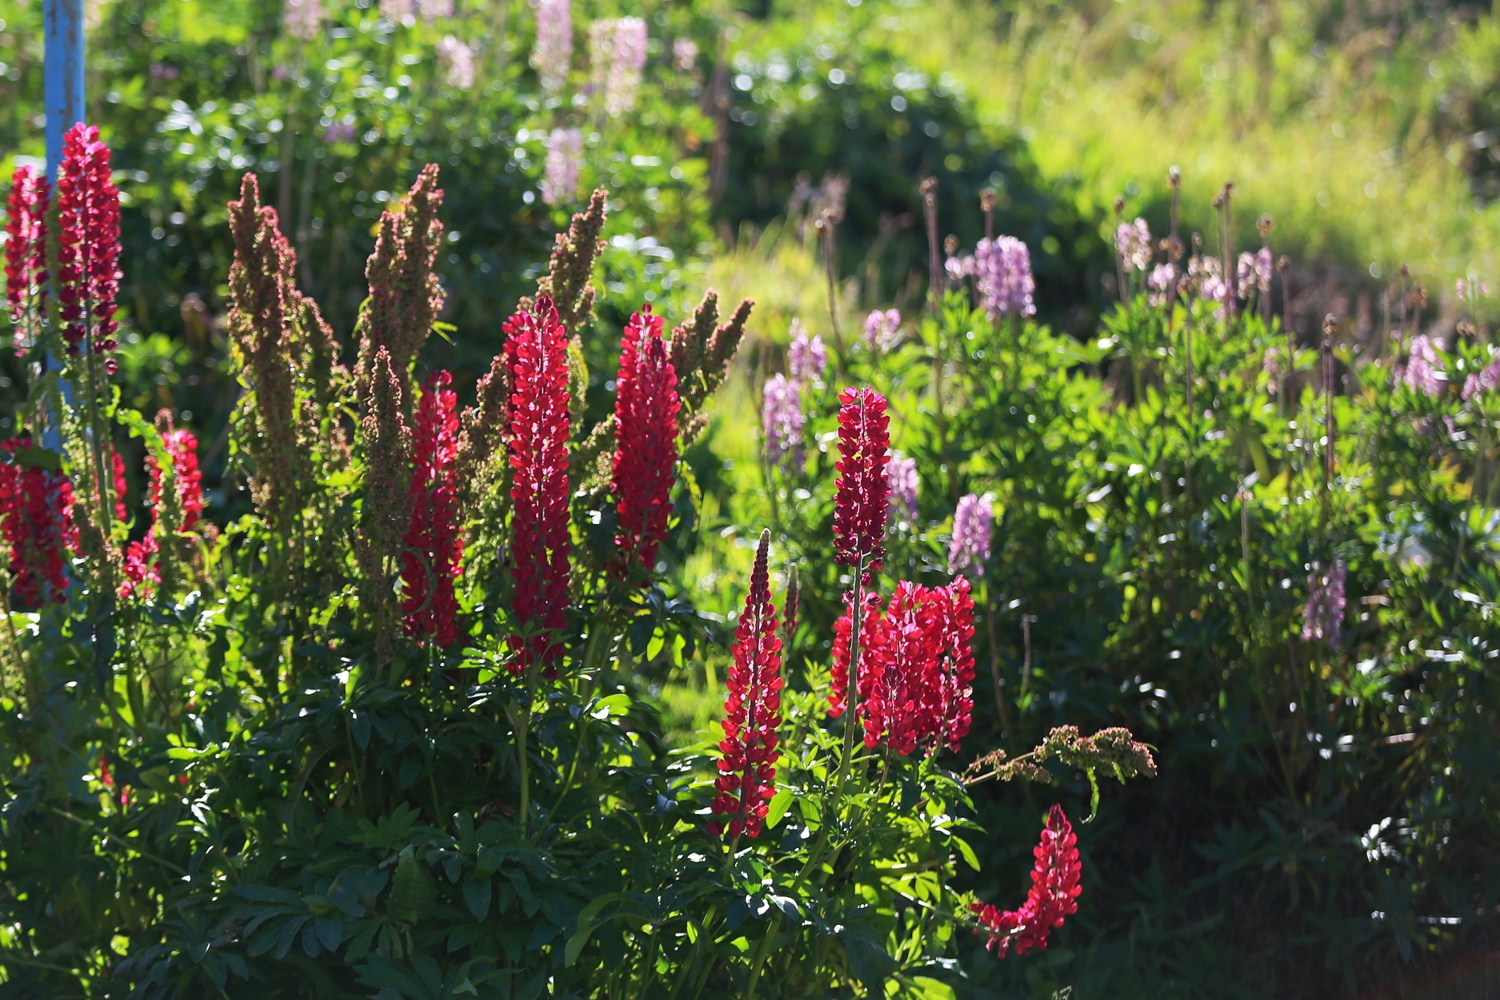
(25, 250)
(752, 711)
(898, 668)
(142, 569)
(839, 695)
(1053, 896)
(861, 504)
(183, 445)
(646, 408)
(434, 547)
(88, 242)
(117, 468)
(536, 353)
(36, 520)
(952, 622)
(916, 667)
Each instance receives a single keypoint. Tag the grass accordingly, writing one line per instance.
(1331, 125)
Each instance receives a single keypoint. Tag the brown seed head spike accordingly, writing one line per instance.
(689, 343)
(987, 200)
(388, 448)
(483, 429)
(1264, 226)
(1174, 178)
(405, 295)
(1119, 205)
(722, 347)
(572, 265)
(387, 505)
(263, 299)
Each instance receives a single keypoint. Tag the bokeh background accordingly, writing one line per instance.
(1369, 131)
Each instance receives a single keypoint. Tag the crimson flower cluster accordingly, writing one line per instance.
(36, 521)
(433, 546)
(117, 483)
(142, 568)
(25, 242)
(862, 499)
(1053, 896)
(916, 667)
(646, 409)
(752, 712)
(88, 254)
(537, 446)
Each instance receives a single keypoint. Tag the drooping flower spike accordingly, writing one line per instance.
(1054, 893)
(537, 445)
(645, 463)
(861, 501)
(433, 546)
(88, 243)
(752, 712)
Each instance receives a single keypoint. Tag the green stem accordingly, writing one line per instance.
(521, 722)
(856, 616)
(760, 956)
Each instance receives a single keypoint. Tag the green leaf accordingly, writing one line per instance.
(267, 894)
(927, 988)
(967, 852)
(477, 894)
(330, 931)
(412, 890)
(780, 803)
(586, 918)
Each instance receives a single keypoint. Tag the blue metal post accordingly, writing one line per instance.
(63, 68)
(62, 99)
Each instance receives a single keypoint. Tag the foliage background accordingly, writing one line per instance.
(1366, 130)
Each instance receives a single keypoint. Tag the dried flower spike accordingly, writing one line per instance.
(405, 295)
